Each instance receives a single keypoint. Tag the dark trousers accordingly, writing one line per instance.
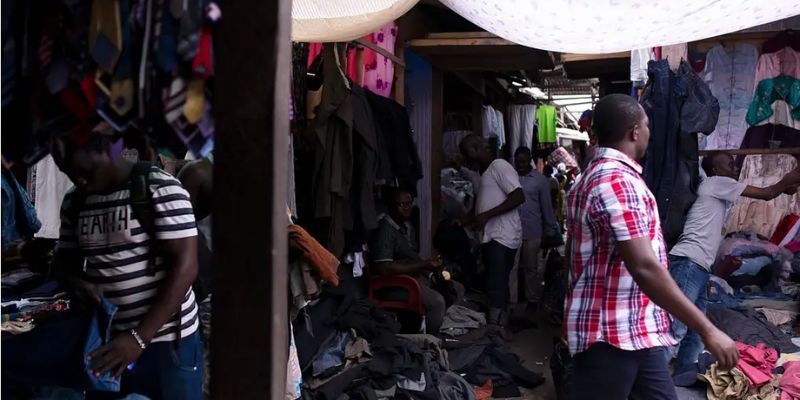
(609, 373)
(499, 261)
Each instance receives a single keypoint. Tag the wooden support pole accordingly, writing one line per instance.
(249, 345)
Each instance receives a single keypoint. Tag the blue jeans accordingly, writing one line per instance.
(692, 280)
(165, 372)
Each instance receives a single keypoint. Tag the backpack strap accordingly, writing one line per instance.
(143, 208)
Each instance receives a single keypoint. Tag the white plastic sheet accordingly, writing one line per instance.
(606, 26)
(343, 20)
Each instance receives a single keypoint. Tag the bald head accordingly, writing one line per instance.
(720, 164)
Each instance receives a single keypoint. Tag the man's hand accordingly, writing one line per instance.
(480, 221)
(435, 264)
(86, 291)
(115, 356)
(723, 348)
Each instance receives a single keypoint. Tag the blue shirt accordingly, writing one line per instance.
(537, 211)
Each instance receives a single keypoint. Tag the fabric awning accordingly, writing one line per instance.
(343, 20)
(607, 26)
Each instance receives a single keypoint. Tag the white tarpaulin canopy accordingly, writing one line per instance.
(606, 26)
(343, 20)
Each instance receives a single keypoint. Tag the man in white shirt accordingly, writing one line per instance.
(499, 196)
(694, 254)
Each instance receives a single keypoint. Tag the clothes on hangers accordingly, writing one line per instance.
(785, 88)
(47, 186)
(729, 72)
(760, 216)
(493, 125)
(546, 120)
(522, 123)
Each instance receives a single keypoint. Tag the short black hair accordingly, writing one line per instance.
(80, 138)
(613, 116)
(709, 161)
(523, 150)
(393, 192)
(463, 144)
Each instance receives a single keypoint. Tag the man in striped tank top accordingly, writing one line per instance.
(104, 250)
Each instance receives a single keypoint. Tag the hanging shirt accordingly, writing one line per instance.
(639, 60)
(546, 119)
(702, 232)
(493, 125)
(611, 203)
(497, 182)
(783, 62)
(730, 74)
(47, 186)
(784, 88)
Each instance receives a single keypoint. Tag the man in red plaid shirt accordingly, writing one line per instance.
(616, 324)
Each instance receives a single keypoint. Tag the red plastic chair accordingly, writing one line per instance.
(413, 304)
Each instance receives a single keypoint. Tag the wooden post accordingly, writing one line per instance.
(437, 154)
(250, 322)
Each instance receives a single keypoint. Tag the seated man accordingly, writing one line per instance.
(691, 259)
(394, 251)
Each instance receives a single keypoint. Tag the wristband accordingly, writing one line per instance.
(138, 339)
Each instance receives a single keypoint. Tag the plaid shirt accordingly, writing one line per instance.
(610, 203)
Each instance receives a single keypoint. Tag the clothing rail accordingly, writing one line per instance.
(746, 152)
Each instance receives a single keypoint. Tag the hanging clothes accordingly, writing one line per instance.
(379, 70)
(679, 106)
(18, 215)
(639, 60)
(521, 123)
(761, 216)
(493, 125)
(783, 62)
(47, 186)
(784, 88)
(730, 73)
(674, 54)
(546, 121)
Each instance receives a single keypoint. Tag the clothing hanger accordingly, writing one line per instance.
(339, 65)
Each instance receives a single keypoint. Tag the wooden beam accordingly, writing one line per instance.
(461, 35)
(571, 57)
(754, 38)
(250, 321)
(461, 42)
(747, 152)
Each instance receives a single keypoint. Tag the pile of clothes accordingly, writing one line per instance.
(761, 374)
(349, 348)
(46, 342)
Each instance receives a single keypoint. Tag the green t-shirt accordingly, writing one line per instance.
(546, 119)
